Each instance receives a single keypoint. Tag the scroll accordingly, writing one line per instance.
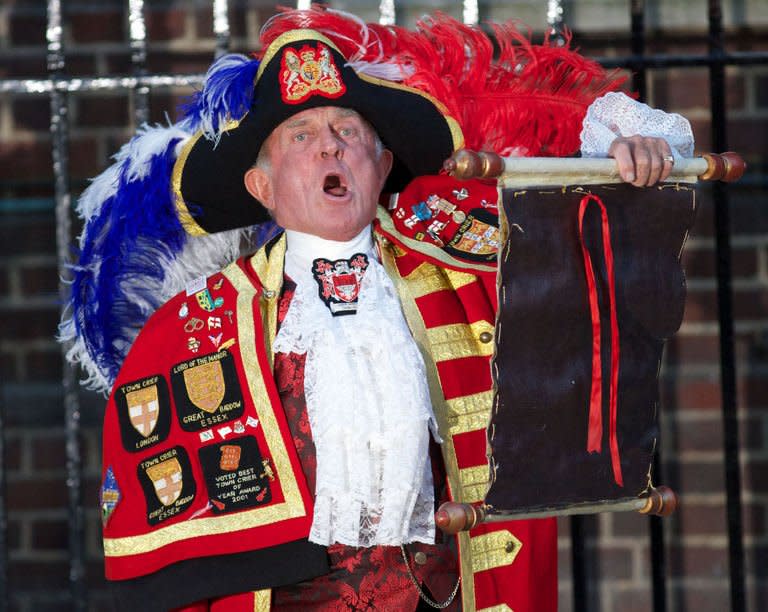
(590, 287)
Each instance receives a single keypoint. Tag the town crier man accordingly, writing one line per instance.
(281, 430)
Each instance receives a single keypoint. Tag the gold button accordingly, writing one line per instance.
(420, 558)
(486, 337)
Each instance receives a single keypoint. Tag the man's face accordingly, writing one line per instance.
(324, 174)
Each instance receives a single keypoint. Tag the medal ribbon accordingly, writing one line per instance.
(595, 432)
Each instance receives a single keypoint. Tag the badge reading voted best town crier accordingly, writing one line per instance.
(168, 484)
(143, 410)
(308, 72)
(339, 282)
(206, 391)
(236, 475)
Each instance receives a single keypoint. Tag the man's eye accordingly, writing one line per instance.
(300, 137)
(346, 131)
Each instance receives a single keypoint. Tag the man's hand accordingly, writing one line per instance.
(643, 161)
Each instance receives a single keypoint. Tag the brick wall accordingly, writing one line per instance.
(692, 435)
(181, 40)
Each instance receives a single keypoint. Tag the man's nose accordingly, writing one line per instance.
(331, 144)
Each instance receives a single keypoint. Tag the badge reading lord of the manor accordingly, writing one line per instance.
(206, 391)
(168, 484)
(339, 282)
(306, 73)
(143, 410)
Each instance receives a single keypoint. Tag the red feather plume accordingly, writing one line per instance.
(519, 98)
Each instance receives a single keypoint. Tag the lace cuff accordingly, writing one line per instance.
(616, 114)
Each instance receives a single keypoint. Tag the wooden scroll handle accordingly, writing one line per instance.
(661, 501)
(726, 167)
(466, 164)
(452, 517)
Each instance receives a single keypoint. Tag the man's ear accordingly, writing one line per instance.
(259, 185)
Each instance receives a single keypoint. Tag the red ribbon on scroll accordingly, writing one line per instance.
(595, 432)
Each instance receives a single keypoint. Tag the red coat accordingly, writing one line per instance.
(201, 478)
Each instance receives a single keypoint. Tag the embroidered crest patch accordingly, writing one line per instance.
(206, 391)
(234, 475)
(205, 385)
(309, 72)
(477, 238)
(339, 282)
(168, 484)
(143, 411)
(109, 496)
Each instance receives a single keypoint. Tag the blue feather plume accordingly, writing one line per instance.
(227, 94)
(134, 253)
(134, 234)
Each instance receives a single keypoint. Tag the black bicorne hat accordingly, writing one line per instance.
(302, 69)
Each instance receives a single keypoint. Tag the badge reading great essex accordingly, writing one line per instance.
(205, 385)
(306, 73)
(168, 480)
(168, 484)
(339, 282)
(207, 391)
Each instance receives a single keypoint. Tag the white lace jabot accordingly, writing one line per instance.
(367, 401)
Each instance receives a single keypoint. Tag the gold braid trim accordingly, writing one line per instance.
(262, 600)
(495, 549)
(419, 331)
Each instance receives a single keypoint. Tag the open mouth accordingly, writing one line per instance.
(333, 185)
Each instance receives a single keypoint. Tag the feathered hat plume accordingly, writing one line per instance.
(508, 94)
(133, 252)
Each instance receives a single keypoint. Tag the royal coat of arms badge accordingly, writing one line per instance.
(306, 73)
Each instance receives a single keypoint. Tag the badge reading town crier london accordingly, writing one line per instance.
(144, 412)
(306, 73)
